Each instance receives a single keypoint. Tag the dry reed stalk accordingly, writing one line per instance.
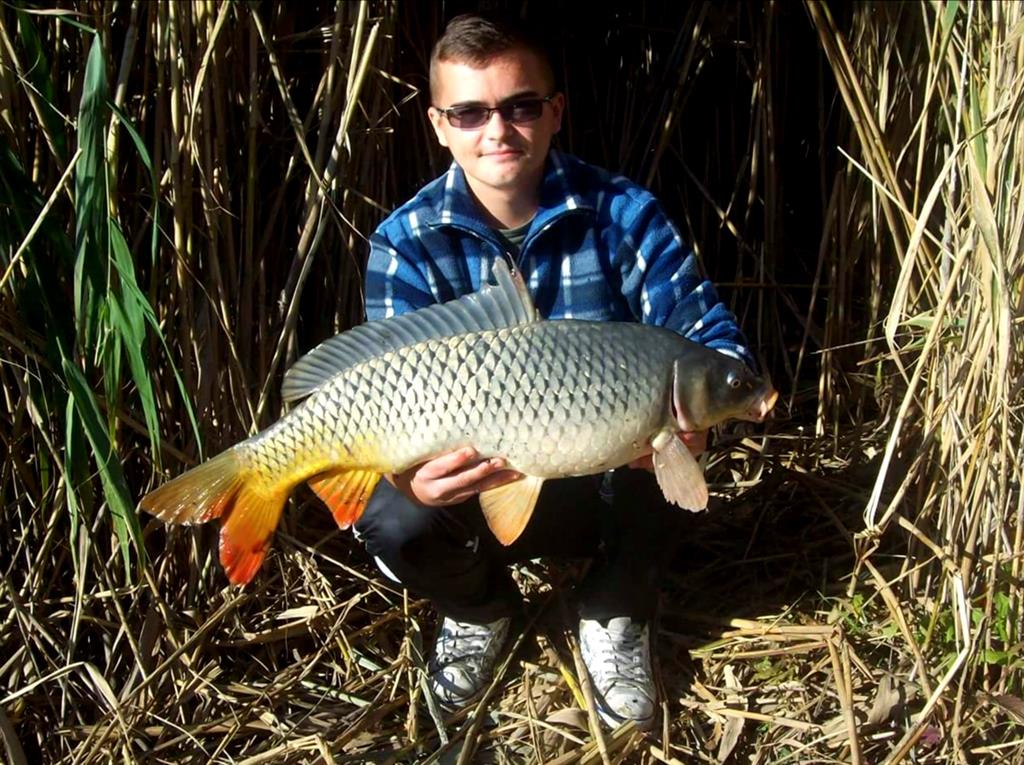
(586, 686)
(843, 681)
(957, 388)
(312, 228)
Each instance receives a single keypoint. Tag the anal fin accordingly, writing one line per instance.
(508, 508)
(246, 530)
(345, 492)
(679, 475)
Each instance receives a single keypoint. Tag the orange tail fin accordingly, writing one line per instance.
(345, 492)
(202, 493)
(219, 489)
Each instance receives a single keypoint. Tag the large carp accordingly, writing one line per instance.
(553, 398)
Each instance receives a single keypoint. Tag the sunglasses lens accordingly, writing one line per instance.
(518, 112)
(523, 111)
(468, 117)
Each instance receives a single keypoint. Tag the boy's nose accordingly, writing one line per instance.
(496, 125)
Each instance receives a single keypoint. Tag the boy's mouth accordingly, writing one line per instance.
(503, 153)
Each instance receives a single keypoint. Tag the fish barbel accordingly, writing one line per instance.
(552, 398)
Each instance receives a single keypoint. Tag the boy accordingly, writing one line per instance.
(590, 246)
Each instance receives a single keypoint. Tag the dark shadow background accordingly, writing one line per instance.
(726, 111)
(729, 114)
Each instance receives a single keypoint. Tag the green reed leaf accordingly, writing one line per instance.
(143, 152)
(976, 125)
(90, 198)
(115, 489)
(129, 309)
(74, 469)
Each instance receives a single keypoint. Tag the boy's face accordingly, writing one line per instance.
(498, 155)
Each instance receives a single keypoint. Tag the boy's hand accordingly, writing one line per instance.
(452, 478)
(696, 441)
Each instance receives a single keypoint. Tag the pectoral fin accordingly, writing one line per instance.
(508, 508)
(345, 492)
(679, 476)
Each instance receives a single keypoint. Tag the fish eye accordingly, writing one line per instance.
(734, 380)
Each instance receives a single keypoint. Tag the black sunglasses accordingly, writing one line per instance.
(516, 112)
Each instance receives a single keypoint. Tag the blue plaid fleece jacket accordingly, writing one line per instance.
(599, 248)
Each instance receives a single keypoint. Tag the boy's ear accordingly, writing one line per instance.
(557, 109)
(437, 118)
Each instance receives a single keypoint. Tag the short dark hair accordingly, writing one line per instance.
(477, 39)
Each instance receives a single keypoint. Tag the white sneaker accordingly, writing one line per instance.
(463, 660)
(618, 657)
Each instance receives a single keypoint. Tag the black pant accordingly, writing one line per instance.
(449, 555)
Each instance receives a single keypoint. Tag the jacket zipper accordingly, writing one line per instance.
(486, 240)
(504, 250)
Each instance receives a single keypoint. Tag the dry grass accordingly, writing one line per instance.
(849, 176)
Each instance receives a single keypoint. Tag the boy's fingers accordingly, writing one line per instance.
(468, 478)
(449, 463)
(696, 441)
(491, 481)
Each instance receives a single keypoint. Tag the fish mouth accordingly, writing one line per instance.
(763, 405)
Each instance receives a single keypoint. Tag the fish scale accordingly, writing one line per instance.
(552, 398)
(547, 397)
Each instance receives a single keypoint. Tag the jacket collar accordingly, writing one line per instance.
(454, 205)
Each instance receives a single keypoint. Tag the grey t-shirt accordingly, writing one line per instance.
(515, 236)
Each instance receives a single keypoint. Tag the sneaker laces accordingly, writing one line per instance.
(618, 657)
(620, 654)
(466, 642)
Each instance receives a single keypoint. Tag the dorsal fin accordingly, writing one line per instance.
(503, 304)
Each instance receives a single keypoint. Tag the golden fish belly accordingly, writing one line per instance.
(555, 399)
